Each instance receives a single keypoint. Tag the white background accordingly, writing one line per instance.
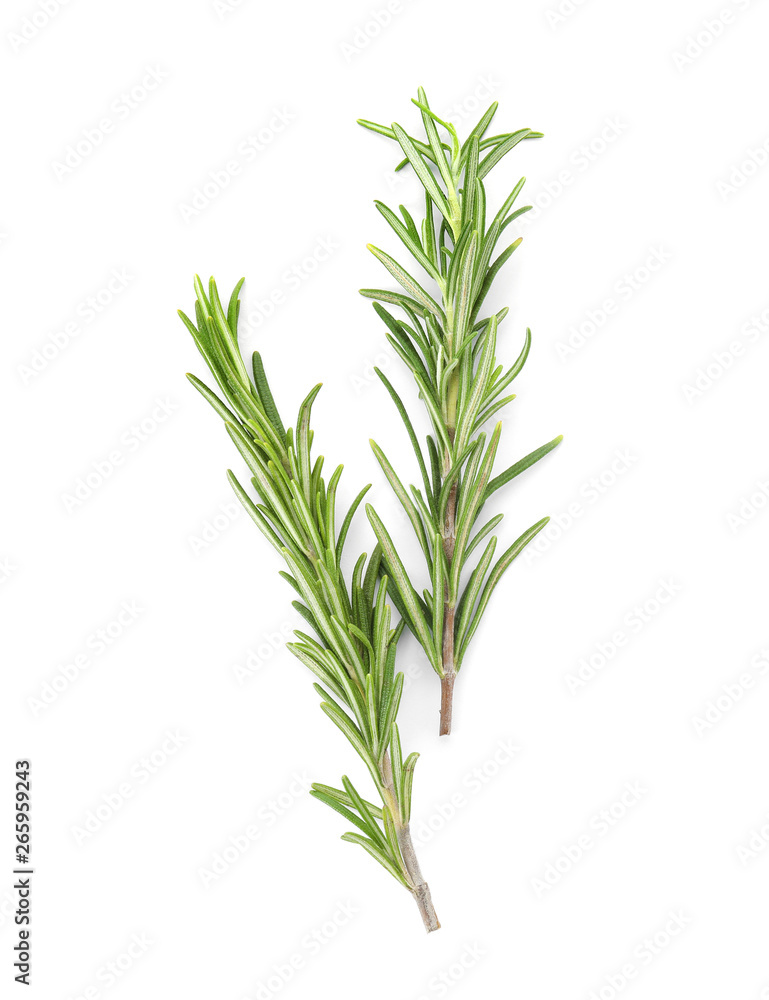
(648, 133)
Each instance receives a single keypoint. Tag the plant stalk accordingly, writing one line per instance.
(419, 889)
(447, 701)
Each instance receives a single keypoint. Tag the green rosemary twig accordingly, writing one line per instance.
(353, 651)
(451, 353)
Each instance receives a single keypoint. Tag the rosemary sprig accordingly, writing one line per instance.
(353, 651)
(451, 353)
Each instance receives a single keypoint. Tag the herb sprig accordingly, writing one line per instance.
(451, 353)
(352, 652)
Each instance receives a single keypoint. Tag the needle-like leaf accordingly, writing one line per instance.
(415, 290)
(521, 465)
(400, 577)
(414, 156)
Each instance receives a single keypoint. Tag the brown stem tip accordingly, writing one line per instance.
(426, 908)
(447, 699)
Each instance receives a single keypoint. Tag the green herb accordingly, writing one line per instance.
(451, 353)
(352, 652)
